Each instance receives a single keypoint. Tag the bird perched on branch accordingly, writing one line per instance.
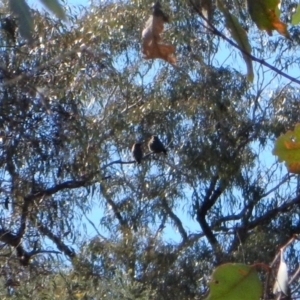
(137, 152)
(156, 146)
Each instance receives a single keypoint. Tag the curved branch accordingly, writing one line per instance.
(71, 184)
(56, 240)
(271, 214)
(15, 241)
(175, 219)
(212, 195)
(242, 232)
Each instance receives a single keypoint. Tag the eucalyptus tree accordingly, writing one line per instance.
(75, 100)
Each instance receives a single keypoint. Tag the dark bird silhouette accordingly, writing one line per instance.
(156, 146)
(137, 152)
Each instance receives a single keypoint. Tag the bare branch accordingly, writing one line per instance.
(15, 241)
(192, 238)
(116, 211)
(175, 219)
(56, 240)
(271, 214)
(212, 195)
(119, 161)
(285, 179)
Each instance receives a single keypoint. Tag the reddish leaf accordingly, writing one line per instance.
(265, 14)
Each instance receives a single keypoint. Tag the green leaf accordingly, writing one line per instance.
(287, 148)
(235, 282)
(22, 11)
(265, 14)
(240, 36)
(296, 16)
(55, 7)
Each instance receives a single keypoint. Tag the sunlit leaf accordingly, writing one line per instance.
(281, 281)
(265, 14)
(240, 36)
(55, 7)
(230, 281)
(21, 10)
(296, 16)
(287, 148)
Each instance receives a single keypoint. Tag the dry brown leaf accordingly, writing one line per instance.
(151, 48)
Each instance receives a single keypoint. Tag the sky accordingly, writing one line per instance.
(74, 2)
(37, 3)
(94, 217)
(97, 213)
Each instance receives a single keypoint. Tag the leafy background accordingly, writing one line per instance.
(76, 94)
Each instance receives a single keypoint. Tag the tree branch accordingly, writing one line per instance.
(175, 219)
(72, 184)
(271, 214)
(56, 240)
(212, 195)
(243, 230)
(116, 211)
(192, 238)
(232, 43)
(15, 241)
(119, 161)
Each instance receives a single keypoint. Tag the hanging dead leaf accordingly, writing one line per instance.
(151, 48)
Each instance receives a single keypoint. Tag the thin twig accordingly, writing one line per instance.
(232, 43)
(175, 219)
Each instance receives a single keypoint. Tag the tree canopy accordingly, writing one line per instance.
(217, 82)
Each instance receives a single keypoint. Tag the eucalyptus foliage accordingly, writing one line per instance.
(72, 103)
